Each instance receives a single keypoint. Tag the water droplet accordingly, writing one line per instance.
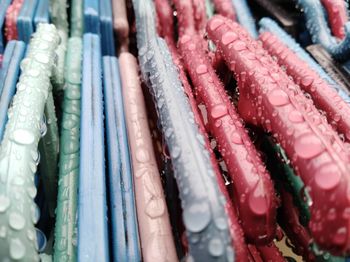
(216, 247)
(278, 97)
(194, 238)
(185, 39)
(36, 156)
(201, 69)
(219, 111)
(229, 37)
(155, 207)
(308, 145)
(192, 47)
(340, 236)
(332, 214)
(175, 152)
(30, 234)
(307, 81)
(44, 59)
(141, 172)
(35, 214)
(32, 191)
(4, 203)
(16, 221)
(215, 23)
(221, 223)
(41, 240)
(230, 254)
(142, 155)
(257, 204)
(218, 123)
(33, 72)
(236, 138)
(17, 249)
(295, 116)
(346, 213)
(239, 45)
(23, 137)
(197, 216)
(3, 231)
(328, 176)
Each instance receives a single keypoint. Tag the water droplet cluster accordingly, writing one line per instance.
(249, 176)
(22, 134)
(191, 161)
(311, 144)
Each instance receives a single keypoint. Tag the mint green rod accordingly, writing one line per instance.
(59, 17)
(77, 18)
(66, 212)
(19, 149)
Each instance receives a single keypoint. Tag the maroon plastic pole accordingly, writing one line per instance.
(325, 97)
(253, 188)
(270, 99)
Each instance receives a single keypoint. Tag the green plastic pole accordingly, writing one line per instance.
(66, 212)
(77, 18)
(19, 149)
(59, 17)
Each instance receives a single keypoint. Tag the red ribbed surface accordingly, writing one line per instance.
(270, 99)
(186, 23)
(254, 190)
(225, 8)
(324, 96)
(165, 20)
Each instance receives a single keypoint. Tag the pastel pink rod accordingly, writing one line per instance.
(157, 241)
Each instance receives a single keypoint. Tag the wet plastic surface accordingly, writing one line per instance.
(92, 203)
(253, 189)
(19, 149)
(268, 98)
(156, 237)
(125, 237)
(203, 210)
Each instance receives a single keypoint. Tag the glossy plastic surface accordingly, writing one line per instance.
(120, 22)
(157, 241)
(245, 16)
(125, 237)
(253, 188)
(66, 212)
(270, 99)
(12, 12)
(19, 149)
(317, 26)
(337, 16)
(42, 12)
(323, 95)
(13, 55)
(92, 203)
(25, 20)
(106, 21)
(91, 16)
(4, 5)
(225, 8)
(204, 213)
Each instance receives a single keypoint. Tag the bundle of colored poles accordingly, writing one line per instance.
(174, 130)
